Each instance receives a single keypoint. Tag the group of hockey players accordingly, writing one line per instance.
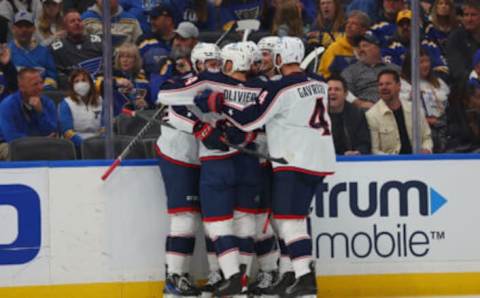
(257, 97)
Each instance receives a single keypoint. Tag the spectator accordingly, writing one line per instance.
(288, 19)
(26, 112)
(443, 21)
(50, 22)
(8, 73)
(124, 26)
(80, 113)
(349, 125)
(464, 42)
(390, 120)
(399, 45)
(9, 8)
(155, 46)
(77, 5)
(131, 88)
(77, 49)
(385, 27)
(178, 64)
(474, 76)
(434, 96)
(140, 10)
(202, 13)
(232, 10)
(464, 118)
(339, 54)
(26, 53)
(362, 76)
(370, 7)
(328, 25)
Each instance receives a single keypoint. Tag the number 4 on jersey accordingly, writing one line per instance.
(318, 120)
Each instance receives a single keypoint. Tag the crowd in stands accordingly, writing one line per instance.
(56, 46)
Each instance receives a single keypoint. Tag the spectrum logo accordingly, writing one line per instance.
(380, 199)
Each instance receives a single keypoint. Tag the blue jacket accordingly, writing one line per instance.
(17, 121)
(38, 57)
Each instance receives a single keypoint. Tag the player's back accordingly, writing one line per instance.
(300, 129)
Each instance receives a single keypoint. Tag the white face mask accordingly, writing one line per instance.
(81, 88)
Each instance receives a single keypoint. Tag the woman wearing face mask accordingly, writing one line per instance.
(80, 113)
(130, 86)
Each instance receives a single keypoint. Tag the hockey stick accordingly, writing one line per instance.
(224, 140)
(313, 55)
(226, 33)
(247, 26)
(132, 143)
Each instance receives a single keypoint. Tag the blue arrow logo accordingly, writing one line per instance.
(436, 201)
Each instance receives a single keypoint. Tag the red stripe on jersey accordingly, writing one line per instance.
(217, 218)
(183, 210)
(247, 210)
(288, 216)
(219, 157)
(174, 161)
(300, 170)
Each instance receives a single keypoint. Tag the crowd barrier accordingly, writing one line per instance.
(381, 226)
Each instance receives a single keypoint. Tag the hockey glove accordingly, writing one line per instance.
(210, 136)
(236, 136)
(209, 101)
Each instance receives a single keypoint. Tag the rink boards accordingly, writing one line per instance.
(381, 226)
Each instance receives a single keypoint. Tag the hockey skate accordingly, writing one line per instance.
(214, 279)
(305, 286)
(179, 286)
(264, 280)
(234, 287)
(278, 288)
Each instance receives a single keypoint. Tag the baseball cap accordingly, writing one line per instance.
(23, 16)
(161, 10)
(187, 30)
(368, 37)
(404, 14)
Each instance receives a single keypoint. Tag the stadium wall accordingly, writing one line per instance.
(382, 226)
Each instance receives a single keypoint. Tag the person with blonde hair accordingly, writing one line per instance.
(329, 23)
(130, 86)
(443, 20)
(50, 22)
(288, 19)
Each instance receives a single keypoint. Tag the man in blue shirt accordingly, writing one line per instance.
(26, 112)
(26, 52)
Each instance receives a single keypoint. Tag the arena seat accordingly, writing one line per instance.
(56, 95)
(94, 148)
(41, 148)
(130, 126)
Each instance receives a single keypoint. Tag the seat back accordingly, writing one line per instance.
(130, 126)
(41, 148)
(94, 148)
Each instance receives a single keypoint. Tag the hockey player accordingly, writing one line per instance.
(229, 179)
(293, 109)
(266, 247)
(180, 167)
(206, 58)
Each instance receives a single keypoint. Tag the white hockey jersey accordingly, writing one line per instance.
(298, 127)
(237, 94)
